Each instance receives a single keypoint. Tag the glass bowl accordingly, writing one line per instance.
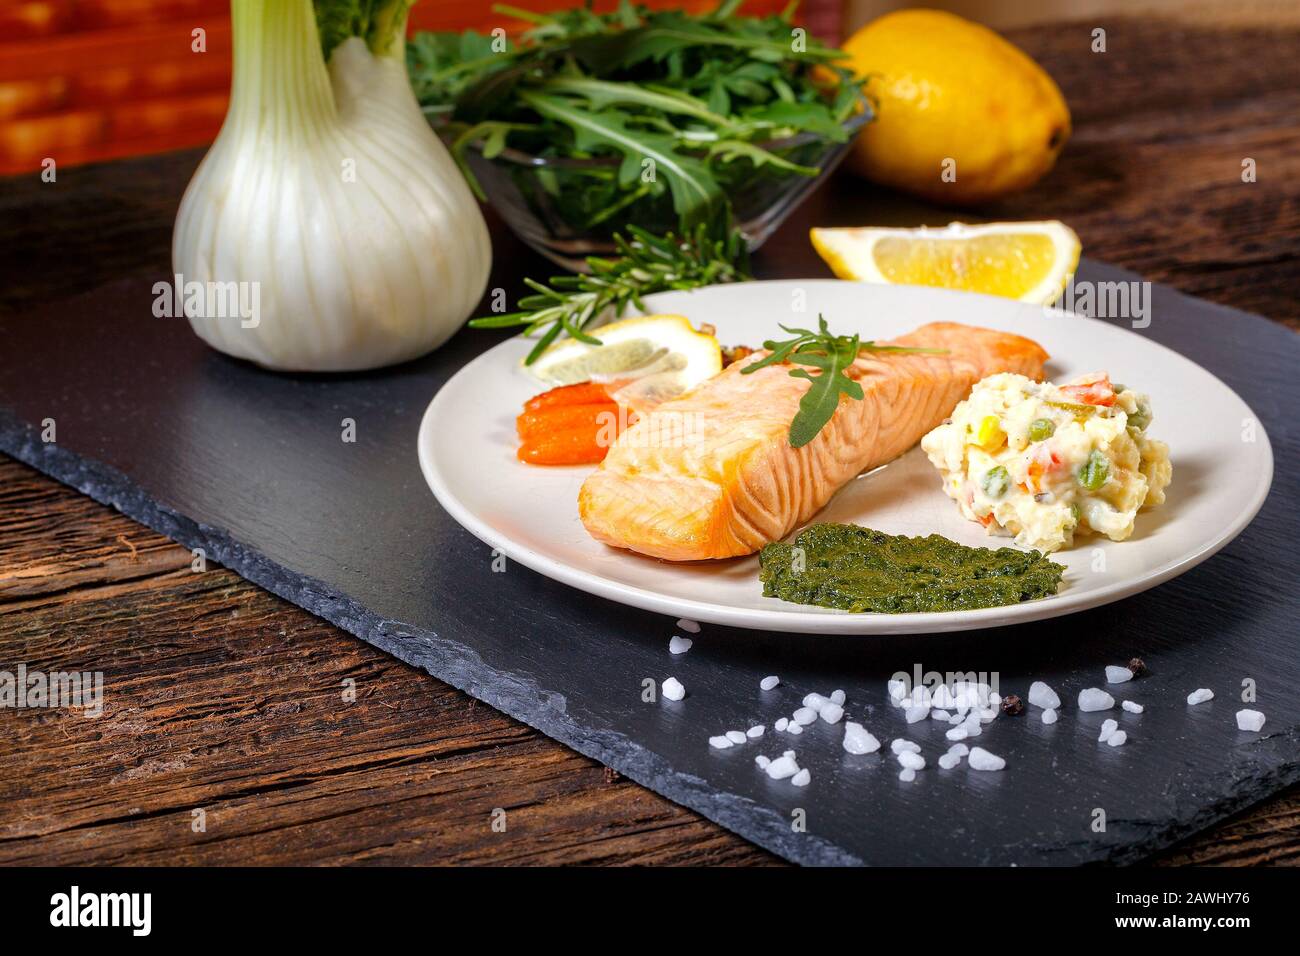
(530, 193)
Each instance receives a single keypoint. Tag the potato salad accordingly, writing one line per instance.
(1041, 462)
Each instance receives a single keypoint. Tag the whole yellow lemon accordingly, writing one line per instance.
(962, 116)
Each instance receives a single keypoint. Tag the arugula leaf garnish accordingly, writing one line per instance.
(831, 355)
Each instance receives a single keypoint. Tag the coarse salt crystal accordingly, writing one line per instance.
(756, 731)
(942, 697)
(1132, 707)
(1040, 695)
(688, 625)
(679, 645)
(1117, 738)
(802, 778)
(949, 760)
(981, 759)
(915, 712)
(782, 723)
(900, 744)
(762, 761)
(913, 760)
(907, 775)
(804, 716)
(1200, 696)
(897, 690)
(831, 712)
(793, 728)
(959, 750)
(1250, 720)
(858, 740)
(767, 683)
(672, 689)
(838, 697)
(1117, 675)
(782, 767)
(735, 736)
(957, 733)
(1094, 698)
(972, 695)
(1108, 727)
(815, 701)
(940, 715)
(720, 742)
(1049, 716)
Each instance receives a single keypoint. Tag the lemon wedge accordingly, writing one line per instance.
(651, 357)
(1028, 261)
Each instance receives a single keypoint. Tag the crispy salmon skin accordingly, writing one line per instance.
(711, 474)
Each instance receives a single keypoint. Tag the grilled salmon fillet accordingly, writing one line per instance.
(711, 474)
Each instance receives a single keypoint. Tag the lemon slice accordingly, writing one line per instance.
(1028, 261)
(651, 357)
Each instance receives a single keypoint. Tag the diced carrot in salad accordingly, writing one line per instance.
(1094, 389)
(1042, 462)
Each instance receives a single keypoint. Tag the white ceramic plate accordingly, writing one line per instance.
(467, 452)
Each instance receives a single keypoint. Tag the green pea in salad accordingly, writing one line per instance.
(1042, 462)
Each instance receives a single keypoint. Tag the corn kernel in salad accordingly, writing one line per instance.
(1043, 462)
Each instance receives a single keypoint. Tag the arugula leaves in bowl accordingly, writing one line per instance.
(665, 119)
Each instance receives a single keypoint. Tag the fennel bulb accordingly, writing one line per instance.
(328, 193)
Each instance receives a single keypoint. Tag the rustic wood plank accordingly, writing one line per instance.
(61, 550)
(1152, 179)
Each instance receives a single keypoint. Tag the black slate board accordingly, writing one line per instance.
(250, 466)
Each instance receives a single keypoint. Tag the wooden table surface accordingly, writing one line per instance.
(225, 698)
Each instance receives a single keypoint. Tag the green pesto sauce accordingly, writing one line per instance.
(853, 568)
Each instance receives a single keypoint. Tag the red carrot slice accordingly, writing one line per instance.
(584, 393)
(558, 418)
(570, 425)
(574, 446)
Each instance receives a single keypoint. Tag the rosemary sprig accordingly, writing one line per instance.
(831, 355)
(645, 264)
